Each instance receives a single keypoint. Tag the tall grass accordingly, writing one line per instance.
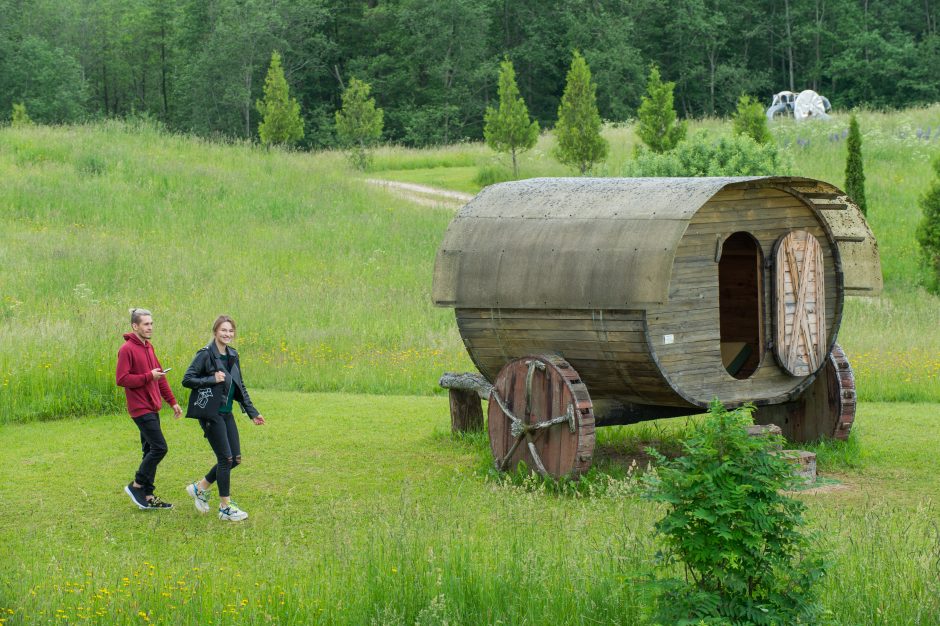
(329, 280)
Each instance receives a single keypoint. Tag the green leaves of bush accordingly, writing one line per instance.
(736, 536)
(928, 231)
(703, 155)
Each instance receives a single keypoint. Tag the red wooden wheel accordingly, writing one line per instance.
(826, 409)
(541, 413)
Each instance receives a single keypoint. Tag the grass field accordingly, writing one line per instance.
(328, 278)
(363, 510)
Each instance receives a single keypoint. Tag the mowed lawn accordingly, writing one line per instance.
(364, 509)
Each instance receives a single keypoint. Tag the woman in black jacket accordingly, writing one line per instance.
(216, 382)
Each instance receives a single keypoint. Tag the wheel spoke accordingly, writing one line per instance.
(501, 465)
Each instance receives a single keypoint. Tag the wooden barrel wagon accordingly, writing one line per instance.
(591, 302)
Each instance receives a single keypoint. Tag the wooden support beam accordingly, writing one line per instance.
(466, 391)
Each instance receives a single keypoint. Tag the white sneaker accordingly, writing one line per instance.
(232, 513)
(200, 497)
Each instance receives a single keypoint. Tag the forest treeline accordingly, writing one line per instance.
(199, 65)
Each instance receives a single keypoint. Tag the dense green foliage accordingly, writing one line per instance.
(198, 65)
(359, 123)
(749, 119)
(20, 117)
(578, 131)
(508, 128)
(854, 170)
(657, 125)
(280, 113)
(928, 231)
(706, 155)
(740, 541)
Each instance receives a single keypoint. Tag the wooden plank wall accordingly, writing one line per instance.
(692, 362)
(607, 348)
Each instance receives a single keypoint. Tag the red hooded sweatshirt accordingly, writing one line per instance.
(135, 362)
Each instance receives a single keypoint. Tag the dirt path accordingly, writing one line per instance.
(422, 194)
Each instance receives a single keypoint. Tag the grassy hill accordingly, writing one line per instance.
(330, 278)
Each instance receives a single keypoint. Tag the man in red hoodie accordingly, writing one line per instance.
(144, 382)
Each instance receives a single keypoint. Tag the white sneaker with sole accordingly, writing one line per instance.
(232, 513)
(200, 497)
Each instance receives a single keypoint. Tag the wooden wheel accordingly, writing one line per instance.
(541, 413)
(825, 410)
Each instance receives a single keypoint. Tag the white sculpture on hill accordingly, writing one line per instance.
(808, 104)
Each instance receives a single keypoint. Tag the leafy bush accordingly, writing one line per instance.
(20, 116)
(701, 155)
(736, 536)
(749, 119)
(928, 231)
(359, 122)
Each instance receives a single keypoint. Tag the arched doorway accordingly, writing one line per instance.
(740, 298)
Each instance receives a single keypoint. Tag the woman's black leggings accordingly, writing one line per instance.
(222, 434)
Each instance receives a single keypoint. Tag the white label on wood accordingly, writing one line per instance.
(800, 315)
(668, 339)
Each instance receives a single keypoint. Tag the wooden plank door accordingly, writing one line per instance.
(800, 315)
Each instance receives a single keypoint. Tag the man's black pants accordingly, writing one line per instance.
(154, 447)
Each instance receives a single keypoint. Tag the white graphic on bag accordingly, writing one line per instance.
(203, 398)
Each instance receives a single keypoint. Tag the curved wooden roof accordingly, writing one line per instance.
(606, 242)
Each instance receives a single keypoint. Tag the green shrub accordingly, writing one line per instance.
(749, 119)
(701, 155)
(735, 535)
(928, 231)
(20, 116)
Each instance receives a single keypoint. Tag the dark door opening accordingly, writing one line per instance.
(740, 300)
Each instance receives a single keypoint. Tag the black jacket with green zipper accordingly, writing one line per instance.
(207, 396)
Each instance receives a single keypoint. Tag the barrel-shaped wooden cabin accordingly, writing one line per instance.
(662, 293)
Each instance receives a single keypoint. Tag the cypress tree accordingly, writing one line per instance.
(280, 114)
(749, 119)
(928, 231)
(508, 128)
(854, 173)
(359, 123)
(657, 126)
(578, 130)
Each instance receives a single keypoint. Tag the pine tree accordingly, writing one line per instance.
(20, 116)
(750, 120)
(657, 125)
(359, 123)
(854, 172)
(280, 114)
(578, 130)
(928, 231)
(508, 128)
